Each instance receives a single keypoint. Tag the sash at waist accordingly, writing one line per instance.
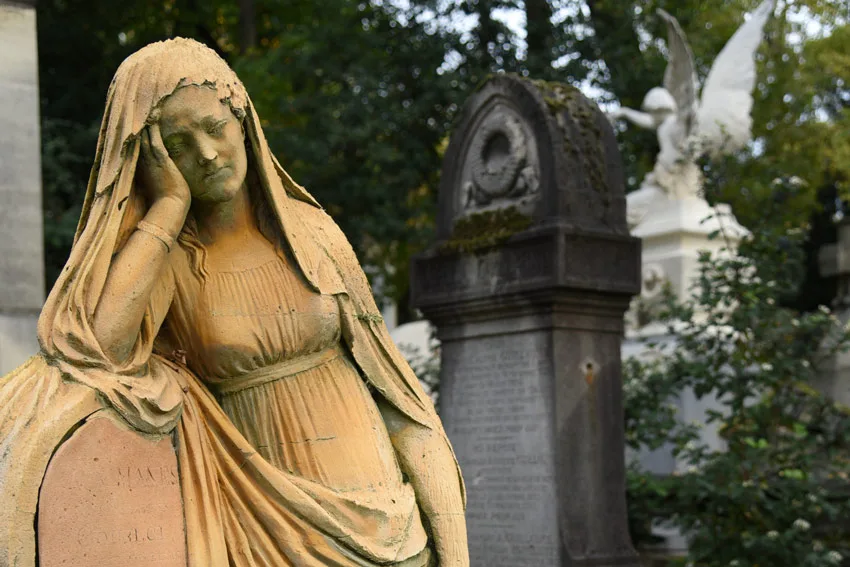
(277, 371)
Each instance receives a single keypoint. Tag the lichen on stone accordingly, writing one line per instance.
(485, 229)
(562, 98)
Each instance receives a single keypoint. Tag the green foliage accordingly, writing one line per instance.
(801, 97)
(354, 106)
(358, 97)
(776, 494)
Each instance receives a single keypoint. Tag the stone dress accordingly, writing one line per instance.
(269, 348)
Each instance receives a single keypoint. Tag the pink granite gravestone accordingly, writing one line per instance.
(111, 498)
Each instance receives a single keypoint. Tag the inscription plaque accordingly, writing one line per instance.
(498, 414)
(111, 498)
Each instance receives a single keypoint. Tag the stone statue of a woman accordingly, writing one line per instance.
(206, 291)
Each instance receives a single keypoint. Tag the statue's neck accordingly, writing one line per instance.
(220, 221)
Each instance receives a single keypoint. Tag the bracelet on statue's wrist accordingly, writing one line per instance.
(157, 232)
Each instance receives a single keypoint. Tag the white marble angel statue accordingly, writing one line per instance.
(689, 127)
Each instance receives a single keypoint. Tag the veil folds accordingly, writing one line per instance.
(41, 402)
(142, 388)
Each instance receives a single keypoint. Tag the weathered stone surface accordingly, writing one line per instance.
(21, 249)
(569, 150)
(527, 286)
(18, 340)
(834, 261)
(499, 419)
(111, 498)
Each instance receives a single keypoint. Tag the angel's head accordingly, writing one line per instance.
(659, 104)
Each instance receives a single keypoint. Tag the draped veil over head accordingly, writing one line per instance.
(298, 522)
(113, 205)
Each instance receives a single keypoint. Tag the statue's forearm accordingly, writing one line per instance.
(430, 465)
(132, 276)
(427, 460)
(641, 119)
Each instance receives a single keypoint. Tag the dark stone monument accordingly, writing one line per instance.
(527, 286)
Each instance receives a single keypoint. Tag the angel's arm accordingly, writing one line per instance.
(641, 119)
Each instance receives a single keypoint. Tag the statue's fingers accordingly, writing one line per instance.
(157, 145)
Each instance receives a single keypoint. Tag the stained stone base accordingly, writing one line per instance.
(525, 402)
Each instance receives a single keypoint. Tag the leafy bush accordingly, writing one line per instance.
(777, 494)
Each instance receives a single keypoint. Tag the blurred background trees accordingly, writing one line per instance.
(358, 98)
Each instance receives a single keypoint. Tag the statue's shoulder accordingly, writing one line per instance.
(318, 220)
(327, 233)
(309, 211)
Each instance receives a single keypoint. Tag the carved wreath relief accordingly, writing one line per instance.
(502, 167)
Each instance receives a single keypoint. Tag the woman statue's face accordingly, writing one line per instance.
(206, 143)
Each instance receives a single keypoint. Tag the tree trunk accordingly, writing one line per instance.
(616, 20)
(247, 25)
(539, 38)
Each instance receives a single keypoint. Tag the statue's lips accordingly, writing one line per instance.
(218, 174)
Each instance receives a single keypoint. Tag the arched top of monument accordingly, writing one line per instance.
(528, 153)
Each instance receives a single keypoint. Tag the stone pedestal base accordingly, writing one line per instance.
(834, 377)
(527, 406)
(497, 393)
(531, 395)
(673, 233)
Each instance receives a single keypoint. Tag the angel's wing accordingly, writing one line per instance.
(680, 77)
(723, 120)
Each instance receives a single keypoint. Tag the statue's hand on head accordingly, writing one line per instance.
(135, 270)
(157, 171)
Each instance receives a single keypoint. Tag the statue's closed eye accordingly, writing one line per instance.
(174, 149)
(217, 129)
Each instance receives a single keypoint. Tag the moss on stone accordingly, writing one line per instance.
(562, 98)
(558, 96)
(485, 229)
